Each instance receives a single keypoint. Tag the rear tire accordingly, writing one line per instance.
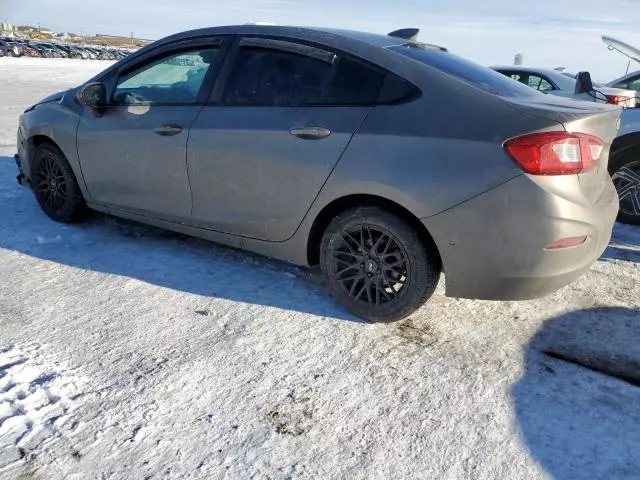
(376, 265)
(55, 186)
(624, 168)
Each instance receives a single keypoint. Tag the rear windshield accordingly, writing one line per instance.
(477, 75)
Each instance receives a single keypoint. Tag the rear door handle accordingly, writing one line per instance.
(168, 130)
(310, 133)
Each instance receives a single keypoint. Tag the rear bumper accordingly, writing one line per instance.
(493, 246)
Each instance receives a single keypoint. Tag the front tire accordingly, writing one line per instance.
(625, 173)
(376, 265)
(55, 186)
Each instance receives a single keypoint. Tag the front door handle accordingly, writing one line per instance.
(168, 130)
(310, 133)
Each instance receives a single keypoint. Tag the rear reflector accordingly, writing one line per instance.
(566, 243)
(555, 153)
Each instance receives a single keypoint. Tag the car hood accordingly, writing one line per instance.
(55, 97)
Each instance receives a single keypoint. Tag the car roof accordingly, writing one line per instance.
(312, 33)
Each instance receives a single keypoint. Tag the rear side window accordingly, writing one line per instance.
(354, 84)
(268, 72)
(465, 70)
(270, 77)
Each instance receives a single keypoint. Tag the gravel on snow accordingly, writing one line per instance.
(130, 352)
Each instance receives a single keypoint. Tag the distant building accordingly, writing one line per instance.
(119, 40)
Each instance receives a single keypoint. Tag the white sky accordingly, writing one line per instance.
(549, 33)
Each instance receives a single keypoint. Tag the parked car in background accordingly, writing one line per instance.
(561, 84)
(30, 52)
(624, 164)
(324, 147)
(44, 51)
(10, 49)
(59, 51)
(625, 97)
(37, 48)
(631, 81)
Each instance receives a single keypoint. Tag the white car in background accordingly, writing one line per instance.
(562, 84)
(630, 81)
(624, 159)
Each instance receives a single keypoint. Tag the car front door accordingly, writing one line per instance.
(133, 154)
(282, 114)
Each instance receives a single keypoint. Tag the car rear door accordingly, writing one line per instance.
(281, 115)
(133, 155)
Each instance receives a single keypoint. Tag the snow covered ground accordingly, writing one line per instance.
(130, 352)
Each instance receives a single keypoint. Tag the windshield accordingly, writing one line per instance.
(469, 72)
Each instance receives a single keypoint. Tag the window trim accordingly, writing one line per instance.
(222, 42)
(217, 92)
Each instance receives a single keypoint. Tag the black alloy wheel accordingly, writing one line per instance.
(370, 265)
(55, 186)
(627, 182)
(377, 266)
(624, 167)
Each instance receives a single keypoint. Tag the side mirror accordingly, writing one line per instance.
(93, 96)
(583, 83)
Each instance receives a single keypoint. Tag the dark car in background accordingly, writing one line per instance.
(10, 49)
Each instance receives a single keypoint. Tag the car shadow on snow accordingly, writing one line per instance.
(159, 257)
(578, 402)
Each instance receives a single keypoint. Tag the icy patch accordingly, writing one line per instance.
(44, 240)
(35, 404)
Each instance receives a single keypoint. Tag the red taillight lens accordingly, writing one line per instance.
(555, 153)
(618, 100)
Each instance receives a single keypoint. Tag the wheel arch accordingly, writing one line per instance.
(339, 205)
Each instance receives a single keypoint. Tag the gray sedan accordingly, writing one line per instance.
(382, 159)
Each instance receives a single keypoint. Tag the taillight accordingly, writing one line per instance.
(555, 153)
(618, 100)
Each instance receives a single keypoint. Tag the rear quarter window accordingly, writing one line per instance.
(465, 70)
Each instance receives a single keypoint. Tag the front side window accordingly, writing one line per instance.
(175, 79)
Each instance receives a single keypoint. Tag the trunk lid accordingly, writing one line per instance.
(596, 119)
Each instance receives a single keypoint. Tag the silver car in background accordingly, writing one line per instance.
(382, 159)
(561, 84)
